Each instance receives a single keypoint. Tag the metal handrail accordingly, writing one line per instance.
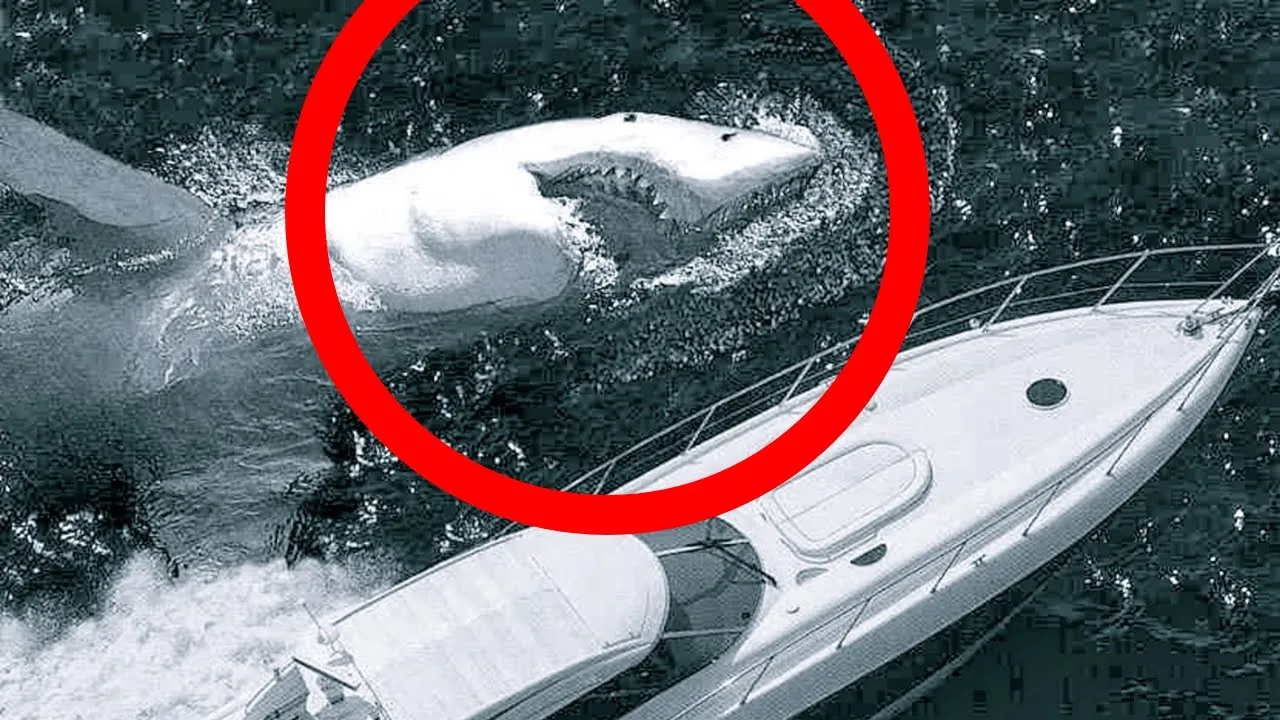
(606, 473)
(1040, 499)
(858, 609)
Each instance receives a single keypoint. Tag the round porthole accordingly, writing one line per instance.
(1047, 393)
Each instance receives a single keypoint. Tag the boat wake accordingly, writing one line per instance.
(170, 650)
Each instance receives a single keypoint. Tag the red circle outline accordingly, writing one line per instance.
(528, 504)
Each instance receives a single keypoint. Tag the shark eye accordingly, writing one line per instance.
(728, 136)
(629, 117)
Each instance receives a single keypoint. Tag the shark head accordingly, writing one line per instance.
(474, 223)
(696, 175)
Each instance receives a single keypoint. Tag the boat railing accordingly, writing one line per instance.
(838, 632)
(1207, 272)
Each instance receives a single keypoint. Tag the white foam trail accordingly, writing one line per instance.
(244, 288)
(239, 167)
(168, 650)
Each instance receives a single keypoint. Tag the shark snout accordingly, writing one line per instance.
(765, 170)
(799, 162)
(787, 158)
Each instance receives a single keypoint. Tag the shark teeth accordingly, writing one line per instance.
(626, 183)
(621, 182)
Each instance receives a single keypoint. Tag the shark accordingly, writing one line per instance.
(483, 223)
(474, 224)
(96, 367)
(108, 209)
(477, 224)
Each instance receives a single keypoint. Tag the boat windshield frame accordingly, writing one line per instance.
(717, 588)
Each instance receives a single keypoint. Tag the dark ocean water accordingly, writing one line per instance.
(152, 546)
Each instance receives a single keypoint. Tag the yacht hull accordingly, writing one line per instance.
(937, 516)
(857, 639)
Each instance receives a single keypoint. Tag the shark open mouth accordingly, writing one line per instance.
(618, 181)
(755, 203)
(673, 203)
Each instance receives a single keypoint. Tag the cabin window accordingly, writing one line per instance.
(808, 574)
(872, 556)
(1047, 393)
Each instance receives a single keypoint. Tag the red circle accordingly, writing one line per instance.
(651, 511)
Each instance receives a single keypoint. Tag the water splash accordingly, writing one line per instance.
(188, 647)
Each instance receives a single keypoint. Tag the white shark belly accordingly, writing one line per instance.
(451, 231)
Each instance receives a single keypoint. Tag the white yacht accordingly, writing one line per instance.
(1019, 417)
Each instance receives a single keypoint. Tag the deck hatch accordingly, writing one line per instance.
(839, 504)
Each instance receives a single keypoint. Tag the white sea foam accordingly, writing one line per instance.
(170, 650)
